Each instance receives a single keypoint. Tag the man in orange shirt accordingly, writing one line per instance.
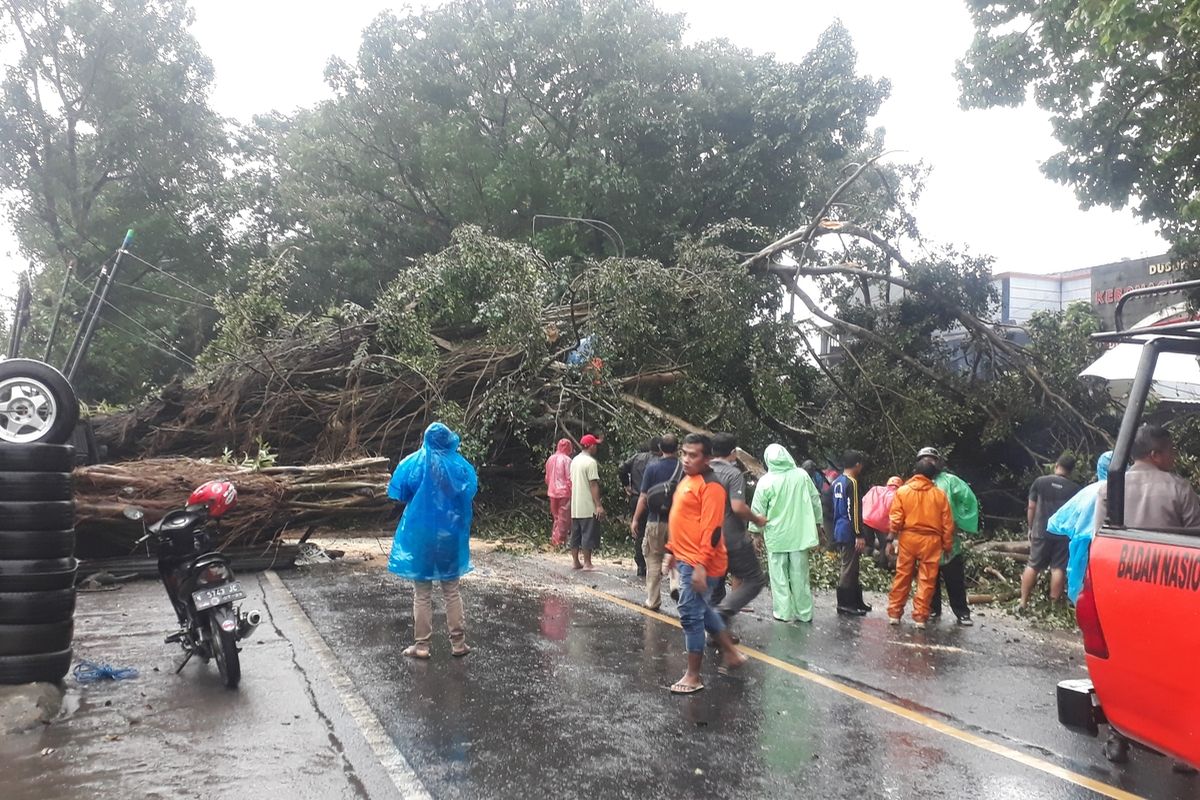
(922, 520)
(696, 545)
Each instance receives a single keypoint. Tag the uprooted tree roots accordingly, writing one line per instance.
(312, 400)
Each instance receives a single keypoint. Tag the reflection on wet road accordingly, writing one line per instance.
(565, 696)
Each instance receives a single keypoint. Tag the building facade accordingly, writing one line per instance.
(1102, 287)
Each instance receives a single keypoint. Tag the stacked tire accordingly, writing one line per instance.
(37, 519)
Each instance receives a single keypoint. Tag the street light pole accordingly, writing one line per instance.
(595, 224)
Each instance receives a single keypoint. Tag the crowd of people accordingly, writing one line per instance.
(691, 523)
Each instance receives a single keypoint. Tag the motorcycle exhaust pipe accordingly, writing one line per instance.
(249, 621)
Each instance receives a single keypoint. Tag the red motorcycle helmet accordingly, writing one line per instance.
(217, 496)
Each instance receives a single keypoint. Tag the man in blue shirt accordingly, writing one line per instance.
(848, 534)
(654, 541)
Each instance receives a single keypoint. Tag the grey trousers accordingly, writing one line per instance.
(745, 566)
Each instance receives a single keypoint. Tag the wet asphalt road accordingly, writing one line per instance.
(565, 696)
(284, 733)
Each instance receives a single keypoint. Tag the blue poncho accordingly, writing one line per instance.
(437, 485)
(1077, 519)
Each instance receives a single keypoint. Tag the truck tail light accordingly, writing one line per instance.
(1089, 620)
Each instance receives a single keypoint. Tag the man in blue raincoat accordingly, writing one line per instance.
(437, 486)
(1077, 520)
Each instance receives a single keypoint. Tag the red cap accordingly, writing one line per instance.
(588, 441)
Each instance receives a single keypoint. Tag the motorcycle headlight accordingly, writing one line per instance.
(213, 573)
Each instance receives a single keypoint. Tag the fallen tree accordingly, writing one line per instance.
(271, 500)
(515, 352)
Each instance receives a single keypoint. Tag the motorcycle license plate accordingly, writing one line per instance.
(217, 595)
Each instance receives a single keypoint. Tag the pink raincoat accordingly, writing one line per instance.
(558, 488)
(877, 504)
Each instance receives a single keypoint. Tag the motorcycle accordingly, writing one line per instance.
(199, 580)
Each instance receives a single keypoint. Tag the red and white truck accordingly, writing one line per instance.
(1139, 610)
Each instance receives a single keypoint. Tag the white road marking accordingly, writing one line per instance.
(394, 763)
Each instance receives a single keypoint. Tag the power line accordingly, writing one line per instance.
(179, 354)
(178, 280)
(189, 364)
(165, 296)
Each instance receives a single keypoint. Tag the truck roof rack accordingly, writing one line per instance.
(1175, 330)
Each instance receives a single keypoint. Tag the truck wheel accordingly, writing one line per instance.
(37, 404)
(46, 667)
(29, 608)
(35, 486)
(49, 516)
(36, 457)
(47, 637)
(36, 544)
(40, 575)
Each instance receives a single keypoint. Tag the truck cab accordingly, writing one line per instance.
(1139, 610)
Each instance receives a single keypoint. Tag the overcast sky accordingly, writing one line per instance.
(985, 191)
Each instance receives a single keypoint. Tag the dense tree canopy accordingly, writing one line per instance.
(1119, 80)
(105, 125)
(490, 112)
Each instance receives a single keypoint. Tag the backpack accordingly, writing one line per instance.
(877, 506)
(658, 496)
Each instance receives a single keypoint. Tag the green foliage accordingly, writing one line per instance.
(489, 112)
(262, 458)
(252, 317)
(479, 284)
(106, 126)
(1117, 77)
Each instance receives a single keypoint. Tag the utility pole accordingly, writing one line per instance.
(598, 225)
(62, 293)
(87, 326)
(21, 317)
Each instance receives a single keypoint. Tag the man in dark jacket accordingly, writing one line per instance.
(630, 474)
(848, 534)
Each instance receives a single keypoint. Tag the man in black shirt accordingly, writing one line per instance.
(1048, 494)
(744, 565)
(630, 474)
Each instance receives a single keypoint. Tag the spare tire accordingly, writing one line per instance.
(49, 516)
(40, 575)
(37, 544)
(47, 637)
(28, 608)
(34, 486)
(36, 457)
(43, 668)
(37, 403)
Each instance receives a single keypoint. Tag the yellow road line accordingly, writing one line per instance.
(1099, 787)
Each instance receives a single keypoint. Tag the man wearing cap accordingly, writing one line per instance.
(952, 569)
(587, 511)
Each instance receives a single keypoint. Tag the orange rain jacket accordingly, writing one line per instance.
(923, 509)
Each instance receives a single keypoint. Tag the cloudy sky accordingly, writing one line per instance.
(985, 191)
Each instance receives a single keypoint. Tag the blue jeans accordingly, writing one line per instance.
(695, 614)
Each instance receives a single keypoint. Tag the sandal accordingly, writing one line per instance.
(685, 688)
(729, 669)
(420, 651)
(460, 650)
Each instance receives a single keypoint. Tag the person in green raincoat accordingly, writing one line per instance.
(964, 505)
(789, 500)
